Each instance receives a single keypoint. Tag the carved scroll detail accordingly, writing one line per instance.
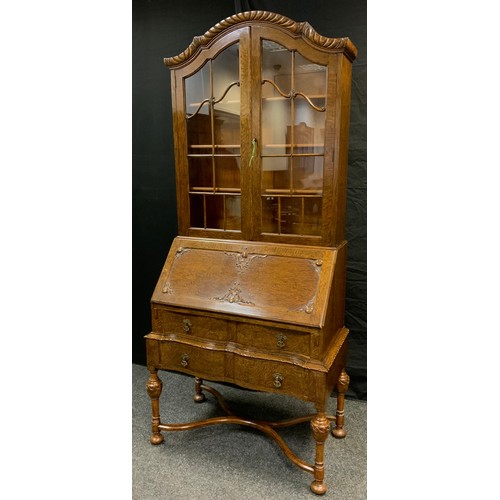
(233, 296)
(309, 307)
(303, 29)
(181, 251)
(167, 288)
(243, 259)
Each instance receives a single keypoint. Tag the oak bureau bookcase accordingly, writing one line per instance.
(252, 291)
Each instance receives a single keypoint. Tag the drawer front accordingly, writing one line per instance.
(273, 339)
(188, 324)
(272, 376)
(190, 359)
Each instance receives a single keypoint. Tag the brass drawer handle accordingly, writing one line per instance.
(281, 339)
(187, 325)
(184, 360)
(278, 379)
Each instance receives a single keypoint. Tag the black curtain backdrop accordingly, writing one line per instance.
(163, 28)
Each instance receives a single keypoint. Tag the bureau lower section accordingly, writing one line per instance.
(295, 375)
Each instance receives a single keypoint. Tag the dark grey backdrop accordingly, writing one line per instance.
(164, 28)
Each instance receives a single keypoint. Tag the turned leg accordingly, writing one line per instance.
(199, 397)
(320, 426)
(154, 387)
(343, 382)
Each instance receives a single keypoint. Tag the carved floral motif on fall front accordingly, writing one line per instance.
(243, 259)
(234, 296)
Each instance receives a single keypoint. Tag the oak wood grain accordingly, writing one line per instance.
(233, 302)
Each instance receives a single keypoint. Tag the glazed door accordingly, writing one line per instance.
(294, 191)
(210, 108)
(255, 156)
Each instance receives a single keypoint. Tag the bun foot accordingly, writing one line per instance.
(339, 433)
(156, 438)
(199, 398)
(318, 487)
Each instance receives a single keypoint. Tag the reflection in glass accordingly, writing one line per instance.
(226, 93)
(310, 78)
(300, 215)
(233, 213)
(270, 214)
(276, 67)
(198, 90)
(308, 130)
(227, 128)
(226, 72)
(276, 119)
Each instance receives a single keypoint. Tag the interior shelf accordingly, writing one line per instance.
(216, 190)
(281, 98)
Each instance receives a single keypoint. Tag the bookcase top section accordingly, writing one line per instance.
(296, 29)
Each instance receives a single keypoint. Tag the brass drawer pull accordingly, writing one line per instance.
(187, 325)
(185, 360)
(278, 379)
(281, 339)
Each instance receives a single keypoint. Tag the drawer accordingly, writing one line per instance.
(189, 324)
(271, 376)
(195, 360)
(274, 339)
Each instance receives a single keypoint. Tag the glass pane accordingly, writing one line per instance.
(233, 212)
(310, 78)
(309, 120)
(196, 209)
(309, 128)
(199, 134)
(227, 172)
(301, 215)
(276, 173)
(226, 71)
(290, 214)
(276, 120)
(215, 211)
(277, 67)
(227, 129)
(269, 214)
(197, 90)
(200, 172)
(276, 109)
(308, 173)
(226, 75)
(311, 221)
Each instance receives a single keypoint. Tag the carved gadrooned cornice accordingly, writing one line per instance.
(304, 29)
